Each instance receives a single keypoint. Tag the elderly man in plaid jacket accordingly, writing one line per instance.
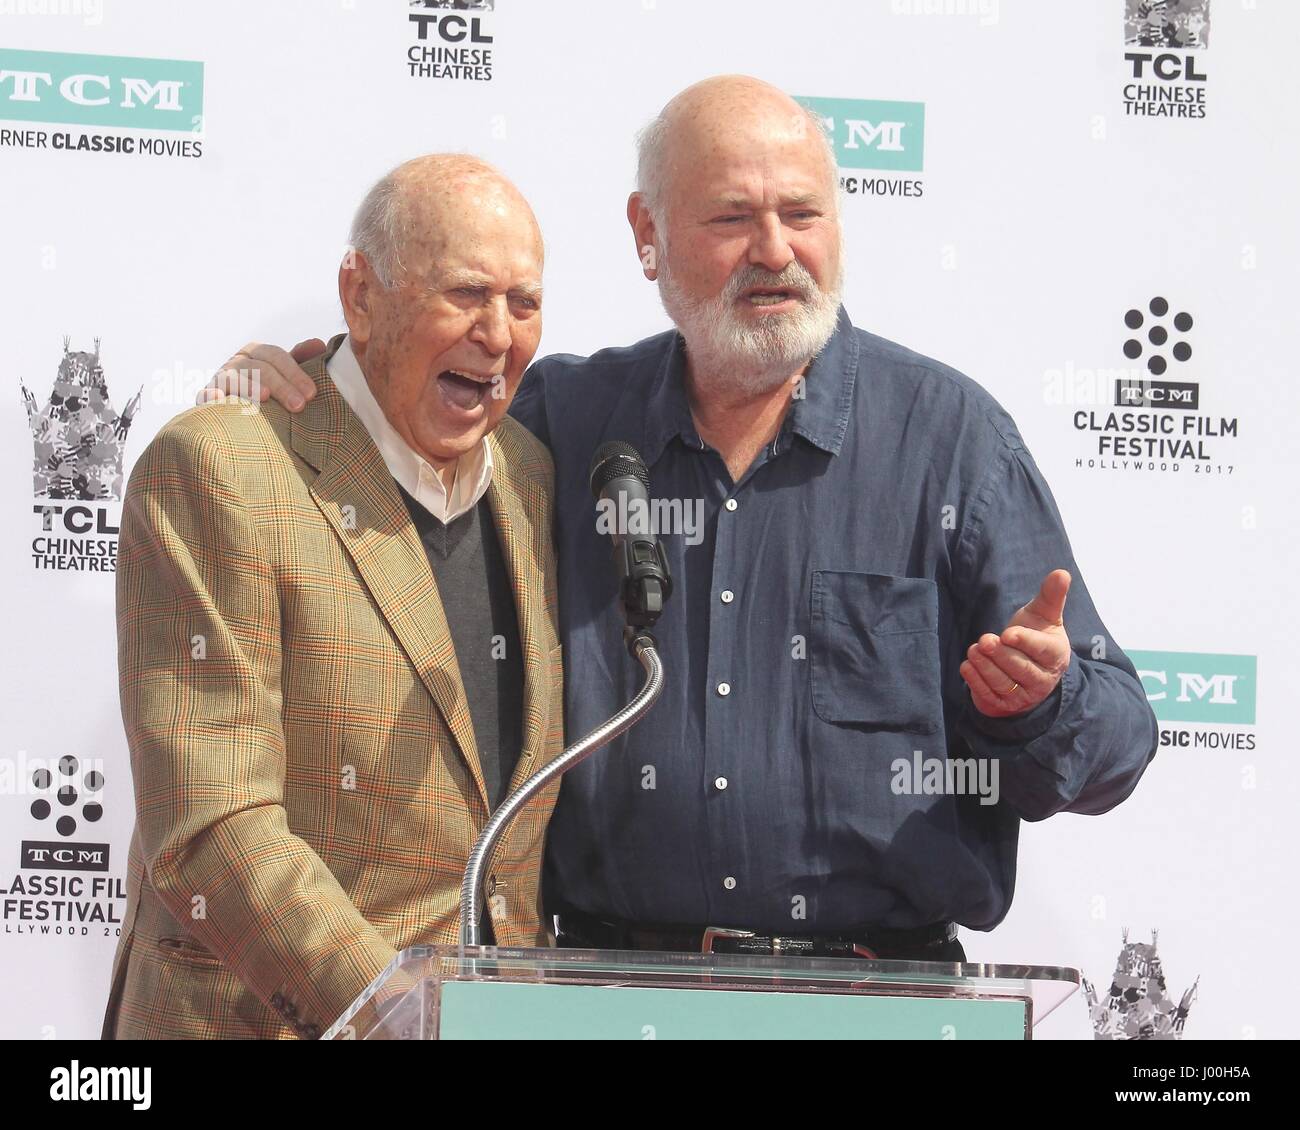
(337, 638)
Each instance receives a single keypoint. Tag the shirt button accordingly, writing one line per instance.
(728, 596)
(729, 882)
(724, 689)
(731, 504)
(719, 783)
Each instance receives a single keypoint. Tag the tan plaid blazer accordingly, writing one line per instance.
(306, 779)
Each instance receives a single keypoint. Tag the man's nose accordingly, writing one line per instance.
(492, 327)
(769, 247)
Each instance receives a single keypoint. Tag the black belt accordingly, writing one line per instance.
(585, 931)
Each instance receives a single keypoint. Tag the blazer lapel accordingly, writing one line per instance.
(514, 528)
(357, 495)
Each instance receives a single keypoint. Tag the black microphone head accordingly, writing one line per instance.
(617, 460)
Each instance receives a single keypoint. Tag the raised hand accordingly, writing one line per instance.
(1012, 673)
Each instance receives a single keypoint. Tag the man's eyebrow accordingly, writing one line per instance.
(463, 278)
(742, 203)
(477, 279)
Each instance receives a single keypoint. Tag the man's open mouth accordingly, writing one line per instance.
(770, 296)
(463, 389)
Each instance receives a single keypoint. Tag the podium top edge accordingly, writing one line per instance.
(857, 969)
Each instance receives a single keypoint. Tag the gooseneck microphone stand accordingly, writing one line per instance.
(642, 645)
(645, 583)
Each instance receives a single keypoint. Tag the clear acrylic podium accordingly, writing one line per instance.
(475, 993)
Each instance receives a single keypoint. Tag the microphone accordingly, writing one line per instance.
(620, 484)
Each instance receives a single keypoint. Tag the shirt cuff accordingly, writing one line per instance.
(1023, 728)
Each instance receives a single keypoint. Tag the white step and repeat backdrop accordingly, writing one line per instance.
(1063, 198)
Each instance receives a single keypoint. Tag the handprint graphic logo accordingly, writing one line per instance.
(1167, 23)
(78, 438)
(1138, 1006)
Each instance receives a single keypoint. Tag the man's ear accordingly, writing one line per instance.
(643, 229)
(357, 285)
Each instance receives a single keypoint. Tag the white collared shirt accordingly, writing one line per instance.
(471, 473)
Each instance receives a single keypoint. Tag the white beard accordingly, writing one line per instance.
(728, 352)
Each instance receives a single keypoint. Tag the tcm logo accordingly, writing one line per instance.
(42, 856)
(1195, 687)
(1158, 394)
(101, 90)
(873, 135)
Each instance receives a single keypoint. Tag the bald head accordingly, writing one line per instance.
(406, 218)
(722, 121)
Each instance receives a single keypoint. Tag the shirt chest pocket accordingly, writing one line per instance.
(875, 651)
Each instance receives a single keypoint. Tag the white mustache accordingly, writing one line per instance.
(794, 279)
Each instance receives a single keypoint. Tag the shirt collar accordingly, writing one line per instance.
(667, 411)
(821, 416)
(471, 474)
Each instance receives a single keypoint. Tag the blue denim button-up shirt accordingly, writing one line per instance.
(794, 775)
